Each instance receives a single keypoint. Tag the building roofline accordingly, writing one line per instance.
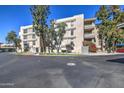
(26, 26)
(68, 18)
(90, 19)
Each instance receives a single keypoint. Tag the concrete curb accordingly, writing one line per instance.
(102, 54)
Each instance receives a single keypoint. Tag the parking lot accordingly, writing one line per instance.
(61, 71)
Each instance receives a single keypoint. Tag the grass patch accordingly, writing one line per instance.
(23, 53)
(61, 54)
(47, 54)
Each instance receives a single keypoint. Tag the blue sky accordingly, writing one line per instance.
(12, 17)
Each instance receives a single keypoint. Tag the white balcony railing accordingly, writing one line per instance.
(87, 36)
(30, 39)
(88, 26)
(121, 25)
(29, 33)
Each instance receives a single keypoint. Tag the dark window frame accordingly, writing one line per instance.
(72, 32)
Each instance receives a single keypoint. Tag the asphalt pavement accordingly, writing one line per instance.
(61, 71)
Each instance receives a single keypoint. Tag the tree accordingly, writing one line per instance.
(17, 43)
(116, 17)
(40, 14)
(109, 17)
(60, 34)
(121, 36)
(48, 39)
(102, 16)
(51, 36)
(12, 38)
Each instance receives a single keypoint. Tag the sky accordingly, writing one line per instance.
(12, 17)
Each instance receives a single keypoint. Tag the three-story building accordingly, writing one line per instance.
(29, 40)
(78, 30)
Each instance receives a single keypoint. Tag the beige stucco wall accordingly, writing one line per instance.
(29, 39)
(77, 37)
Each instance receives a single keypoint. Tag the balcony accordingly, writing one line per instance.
(29, 33)
(70, 37)
(121, 25)
(89, 36)
(89, 30)
(30, 39)
(88, 26)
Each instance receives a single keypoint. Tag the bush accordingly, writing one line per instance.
(87, 43)
(120, 50)
(26, 49)
(63, 51)
(92, 48)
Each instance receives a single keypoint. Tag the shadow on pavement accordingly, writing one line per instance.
(118, 60)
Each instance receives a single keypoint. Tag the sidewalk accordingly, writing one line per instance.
(84, 54)
(102, 54)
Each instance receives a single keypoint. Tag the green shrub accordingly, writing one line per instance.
(63, 51)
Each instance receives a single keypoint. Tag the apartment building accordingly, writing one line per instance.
(74, 33)
(91, 32)
(29, 40)
(78, 30)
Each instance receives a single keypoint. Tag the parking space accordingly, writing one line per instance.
(61, 71)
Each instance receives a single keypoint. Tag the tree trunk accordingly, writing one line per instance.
(44, 43)
(58, 48)
(41, 49)
(39, 44)
(49, 49)
(52, 47)
(101, 44)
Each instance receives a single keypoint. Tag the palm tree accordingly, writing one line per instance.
(12, 38)
(40, 14)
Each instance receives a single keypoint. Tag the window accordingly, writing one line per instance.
(72, 43)
(94, 40)
(33, 30)
(26, 46)
(25, 36)
(33, 36)
(30, 29)
(25, 42)
(72, 32)
(72, 24)
(33, 42)
(25, 30)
